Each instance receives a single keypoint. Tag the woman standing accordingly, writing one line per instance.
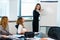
(36, 14)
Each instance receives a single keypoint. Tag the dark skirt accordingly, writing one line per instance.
(54, 32)
(35, 25)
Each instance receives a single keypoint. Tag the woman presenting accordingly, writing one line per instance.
(36, 14)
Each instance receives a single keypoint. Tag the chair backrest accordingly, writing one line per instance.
(16, 26)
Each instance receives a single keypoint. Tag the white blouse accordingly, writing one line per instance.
(21, 29)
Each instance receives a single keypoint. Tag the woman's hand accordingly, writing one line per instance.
(4, 36)
(41, 10)
(43, 39)
(25, 30)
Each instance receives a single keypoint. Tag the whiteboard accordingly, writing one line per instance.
(49, 16)
(49, 0)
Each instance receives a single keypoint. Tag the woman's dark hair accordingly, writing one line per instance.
(19, 20)
(39, 5)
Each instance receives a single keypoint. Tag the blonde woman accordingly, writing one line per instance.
(4, 22)
(3, 30)
(21, 28)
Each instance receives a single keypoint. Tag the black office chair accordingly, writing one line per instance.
(54, 32)
(16, 26)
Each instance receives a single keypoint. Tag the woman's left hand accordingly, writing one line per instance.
(43, 39)
(41, 10)
(4, 36)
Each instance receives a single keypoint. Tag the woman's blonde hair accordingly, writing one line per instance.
(19, 21)
(0, 22)
(4, 21)
(37, 5)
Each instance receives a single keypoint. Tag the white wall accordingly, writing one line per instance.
(12, 28)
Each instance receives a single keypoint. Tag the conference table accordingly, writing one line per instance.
(21, 37)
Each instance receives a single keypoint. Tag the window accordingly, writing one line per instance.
(4, 8)
(27, 7)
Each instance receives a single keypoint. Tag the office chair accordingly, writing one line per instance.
(16, 26)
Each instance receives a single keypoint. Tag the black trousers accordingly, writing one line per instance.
(54, 32)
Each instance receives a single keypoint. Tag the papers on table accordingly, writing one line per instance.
(14, 36)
